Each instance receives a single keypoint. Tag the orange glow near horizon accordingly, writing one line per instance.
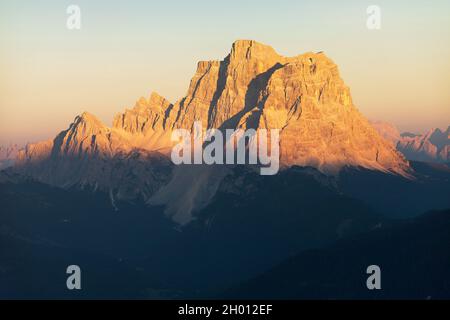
(399, 74)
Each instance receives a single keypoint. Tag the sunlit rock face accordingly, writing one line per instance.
(252, 87)
(303, 96)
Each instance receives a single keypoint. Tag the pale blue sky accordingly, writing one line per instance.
(126, 49)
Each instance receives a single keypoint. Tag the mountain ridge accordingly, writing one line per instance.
(264, 90)
(253, 87)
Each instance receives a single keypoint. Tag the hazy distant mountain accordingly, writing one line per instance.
(387, 131)
(433, 146)
(253, 87)
(7, 155)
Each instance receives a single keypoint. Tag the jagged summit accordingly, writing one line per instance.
(87, 116)
(147, 114)
(89, 122)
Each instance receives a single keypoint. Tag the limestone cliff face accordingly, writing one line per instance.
(221, 91)
(252, 87)
(303, 96)
(320, 125)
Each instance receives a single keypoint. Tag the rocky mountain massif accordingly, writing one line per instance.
(253, 87)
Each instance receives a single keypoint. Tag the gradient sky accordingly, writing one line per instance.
(126, 49)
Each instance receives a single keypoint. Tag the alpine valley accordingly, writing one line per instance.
(109, 198)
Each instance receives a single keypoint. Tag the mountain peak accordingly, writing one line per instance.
(158, 102)
(249, 49)
(88, 117)
(254, 87)
(146, 116)
(87, 123)
(154, 102)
